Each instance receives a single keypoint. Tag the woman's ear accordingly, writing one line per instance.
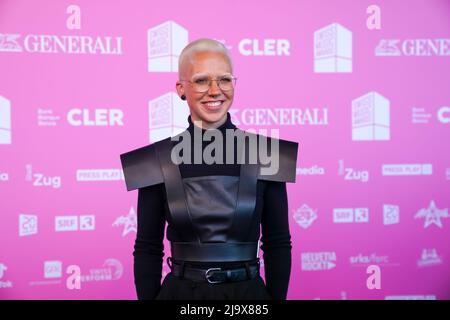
(180, 90)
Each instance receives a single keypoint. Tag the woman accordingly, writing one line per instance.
(213, 209)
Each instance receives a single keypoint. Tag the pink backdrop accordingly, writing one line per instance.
(364, 90)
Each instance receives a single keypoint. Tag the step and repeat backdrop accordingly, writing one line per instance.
(363, 86)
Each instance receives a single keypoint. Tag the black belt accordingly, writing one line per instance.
(211, 252)
(216, 275)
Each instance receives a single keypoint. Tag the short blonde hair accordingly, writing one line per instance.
(202, 45)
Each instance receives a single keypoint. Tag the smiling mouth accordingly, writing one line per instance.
(213, 105)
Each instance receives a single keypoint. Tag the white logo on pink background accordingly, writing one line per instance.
(350, 215)
(129, 222)
(374, 280)
(47, 118)
(86, 175)
(164, 45)
(65, 44)
(168, 116)
(74, 223)
(412, 297)
(265, 47)
(5, 120)
(413, 47)
(97, 117)
(316, 261)
(420, 115)
(305, 216)
(112, 270)
(391, 214)
(3, 268)
(333, 49)
(28, 224)
(311, 171)
(370, 117)
(73, 281)
(443, 115)
(429, 257)
(40, 179)
(52, 269)
(432, 215)
(406, 169)
(351, 174)
(279, 116)
(4, 284)
(9, 43)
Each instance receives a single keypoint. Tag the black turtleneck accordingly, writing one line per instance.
(271, 213)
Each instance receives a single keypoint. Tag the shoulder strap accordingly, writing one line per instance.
(276, 158)
(287, 161)
(176, 198)
(141, 167)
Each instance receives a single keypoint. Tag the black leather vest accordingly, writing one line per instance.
(212, 214)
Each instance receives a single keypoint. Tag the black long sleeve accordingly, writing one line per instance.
(148, 248)
(276, 240)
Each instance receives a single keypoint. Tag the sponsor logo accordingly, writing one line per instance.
(74, 223)
(28, 224)
(370, 117)
(333, 49)
(52, 269)
(316, 261)
(129, 222)
(429, 257)
(280, 116)
(432, 215)
(4, 284)
(5, 119)
(413, 47)
(412, 297)
(407, 169)
(311, 171)
(40, 179)
(265, 47)
(350, 215)
(391, 214)
(85, 175)
(164, 45)
(305, 216)
(65, 44)
(167, 116)
(352, 174)
(97, 117)
(111, 270)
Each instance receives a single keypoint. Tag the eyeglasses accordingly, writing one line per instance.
(201, 85)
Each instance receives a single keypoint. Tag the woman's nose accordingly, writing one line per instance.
(214, 88)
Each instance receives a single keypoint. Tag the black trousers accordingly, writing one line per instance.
(175, 288)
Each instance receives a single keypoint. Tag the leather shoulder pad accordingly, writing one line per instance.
(282, 168)
(141, 167)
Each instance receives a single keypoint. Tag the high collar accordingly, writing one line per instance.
(226, 125)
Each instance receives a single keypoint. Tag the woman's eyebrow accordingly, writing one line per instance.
(199, 75)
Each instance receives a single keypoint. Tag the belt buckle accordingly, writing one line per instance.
(207, 275)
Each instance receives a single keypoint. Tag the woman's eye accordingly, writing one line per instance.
(201, 81)
(225, 80)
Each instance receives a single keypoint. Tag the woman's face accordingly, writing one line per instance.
(210, 107)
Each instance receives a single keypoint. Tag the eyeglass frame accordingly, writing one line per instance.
(233, 79)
